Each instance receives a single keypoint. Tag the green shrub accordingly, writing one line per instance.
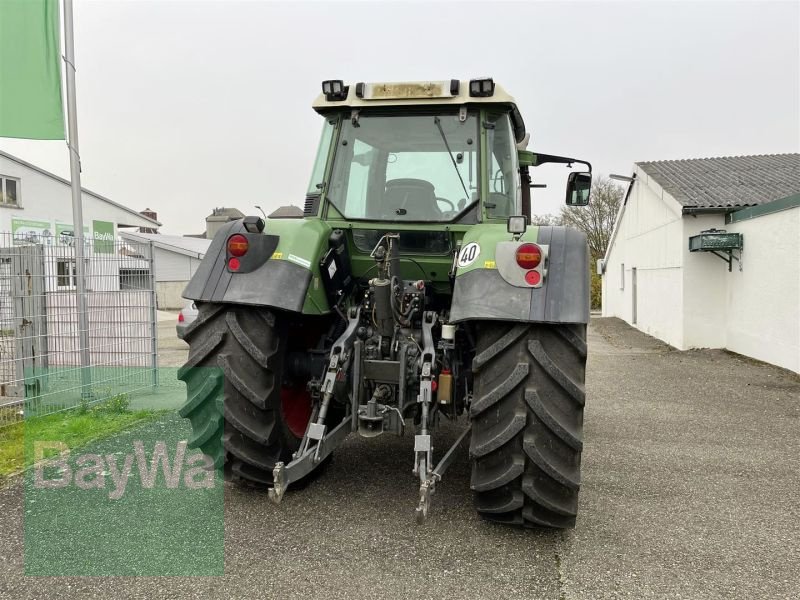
(597, 290)
(120, 403)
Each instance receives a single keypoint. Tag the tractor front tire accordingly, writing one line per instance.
(527, 422)
(234, 392)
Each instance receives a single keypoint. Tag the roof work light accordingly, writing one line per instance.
(334, 89)
(481, 88)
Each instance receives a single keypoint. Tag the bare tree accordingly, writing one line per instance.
(546, 220)
(597, 219)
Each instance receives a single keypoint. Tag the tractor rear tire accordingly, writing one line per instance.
(527, 422)
(235, 395)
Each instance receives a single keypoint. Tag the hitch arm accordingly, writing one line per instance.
(339, 355)
(423, 451)
(428, 486)
(308, 457)
(284, 475)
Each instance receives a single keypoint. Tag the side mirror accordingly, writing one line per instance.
(579, 185)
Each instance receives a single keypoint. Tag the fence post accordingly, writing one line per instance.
(153, 315)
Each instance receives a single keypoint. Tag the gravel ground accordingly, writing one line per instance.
(690, 478)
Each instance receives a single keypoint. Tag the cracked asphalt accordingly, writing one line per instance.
(690, 481)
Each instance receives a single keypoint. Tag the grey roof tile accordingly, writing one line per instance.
(727, 182)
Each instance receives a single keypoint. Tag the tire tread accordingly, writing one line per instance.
(233, 379)
(527, 423)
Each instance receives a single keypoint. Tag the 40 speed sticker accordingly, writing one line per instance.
(468, 254)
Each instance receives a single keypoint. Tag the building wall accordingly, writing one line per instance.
(173, 272)
(648, 240)
(689, 299)
(705, 278)
(120, 323)
(46, 199)
(173, 266)
(763, 300)
(168, 295)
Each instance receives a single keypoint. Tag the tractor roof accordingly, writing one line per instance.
(451, 92)
(411, 93)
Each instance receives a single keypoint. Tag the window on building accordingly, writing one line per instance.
(134, 279)
(622, 276)
(66, 272)
(9, 191)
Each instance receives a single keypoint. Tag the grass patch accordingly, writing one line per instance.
(12, 440)
(9, 414)
(75, 428)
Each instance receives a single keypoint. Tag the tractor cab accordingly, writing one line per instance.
(423, 152)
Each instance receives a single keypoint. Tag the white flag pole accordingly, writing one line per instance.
(77, 206)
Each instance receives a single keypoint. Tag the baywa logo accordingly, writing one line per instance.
(103, 236)
(94, 471)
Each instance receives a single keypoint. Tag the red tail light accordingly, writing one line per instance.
(529, 256)
(180, 317)
(533, 277)
(234, 264)
(237, 245)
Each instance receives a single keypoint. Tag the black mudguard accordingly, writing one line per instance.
(483, 294)
(259, 281)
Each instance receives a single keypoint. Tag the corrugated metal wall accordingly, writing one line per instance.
(171, 266)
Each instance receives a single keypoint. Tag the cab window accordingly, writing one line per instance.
(419, 168)
(504, 186)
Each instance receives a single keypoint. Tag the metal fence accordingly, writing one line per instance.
(40, 355)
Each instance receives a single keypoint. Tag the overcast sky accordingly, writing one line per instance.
(184, 106)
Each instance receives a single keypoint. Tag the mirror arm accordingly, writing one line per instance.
(525, 180)
(540, 159)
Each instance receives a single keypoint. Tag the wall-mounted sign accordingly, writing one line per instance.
(103, 237)
(33, 231)
(65, 233)
(39, 231)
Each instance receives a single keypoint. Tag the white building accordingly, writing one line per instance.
(176, 260)
(36, 203)
(38, 275)
(692, 299)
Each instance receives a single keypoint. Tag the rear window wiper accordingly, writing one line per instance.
(450, 154)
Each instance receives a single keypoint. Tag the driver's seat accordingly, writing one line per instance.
(417, 196)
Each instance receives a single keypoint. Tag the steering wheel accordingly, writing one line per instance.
(413, 197)
(446, 201)
(407, 198)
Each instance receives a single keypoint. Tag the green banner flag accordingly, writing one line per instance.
(30, 70)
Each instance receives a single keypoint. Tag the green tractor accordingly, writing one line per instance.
(413, 289)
